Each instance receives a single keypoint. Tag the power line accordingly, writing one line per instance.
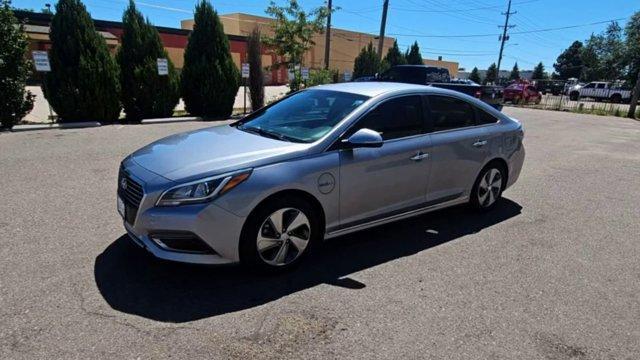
(460, 10)
(513, 33)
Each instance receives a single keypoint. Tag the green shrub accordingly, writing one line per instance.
(145, 94)
(210, 79)
(83, 82)
(319, 77)
(15, 101)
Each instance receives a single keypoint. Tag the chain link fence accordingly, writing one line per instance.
(564, 97)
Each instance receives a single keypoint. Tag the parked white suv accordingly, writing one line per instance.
(601, 90)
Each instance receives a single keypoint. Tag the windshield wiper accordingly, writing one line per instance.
(269, 134)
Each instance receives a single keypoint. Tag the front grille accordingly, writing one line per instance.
(131, 194)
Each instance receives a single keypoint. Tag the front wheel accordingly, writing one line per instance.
(279, 233)
(488, 187)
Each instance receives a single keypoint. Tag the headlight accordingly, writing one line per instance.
(202, 190)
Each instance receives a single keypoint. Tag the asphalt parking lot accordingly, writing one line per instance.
(553, 273)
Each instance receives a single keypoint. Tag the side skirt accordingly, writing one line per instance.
(440, 204)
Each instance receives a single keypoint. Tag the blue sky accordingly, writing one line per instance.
(431, 22)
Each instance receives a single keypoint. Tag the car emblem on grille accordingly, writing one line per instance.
(123, 183)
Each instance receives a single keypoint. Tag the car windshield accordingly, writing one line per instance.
(302, 117)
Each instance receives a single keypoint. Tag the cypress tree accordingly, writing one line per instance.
(413, 55)
(83, 82)
(492, 74)
(145, 94)
(15, 101)
(515, 72)
(394, 56)
(475, 76)
(538, 72)
(210, 79)
(366, 63)
(256, 75)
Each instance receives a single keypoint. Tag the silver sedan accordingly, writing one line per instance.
(320, 163)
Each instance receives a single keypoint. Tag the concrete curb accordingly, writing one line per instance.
(56, 126)
(171, 120)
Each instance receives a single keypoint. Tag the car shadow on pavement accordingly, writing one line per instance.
(134, 282)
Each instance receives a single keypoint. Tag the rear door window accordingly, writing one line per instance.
(450, 113)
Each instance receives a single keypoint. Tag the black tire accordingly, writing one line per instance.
(477, 194)
(249, 255)
(574, 96)
(616, 98)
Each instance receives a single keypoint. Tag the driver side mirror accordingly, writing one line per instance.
(363, 138)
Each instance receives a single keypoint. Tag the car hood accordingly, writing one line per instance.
(212, 151)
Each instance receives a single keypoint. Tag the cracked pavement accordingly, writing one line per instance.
(552, 274)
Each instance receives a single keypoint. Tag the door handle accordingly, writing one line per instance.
(419, 156)
(480, 143)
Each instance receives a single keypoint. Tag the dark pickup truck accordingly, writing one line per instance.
(439, 77)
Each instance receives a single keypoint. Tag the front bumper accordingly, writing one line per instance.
(218, 228)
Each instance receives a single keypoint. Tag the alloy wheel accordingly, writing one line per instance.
(283, 236)
(489, 187)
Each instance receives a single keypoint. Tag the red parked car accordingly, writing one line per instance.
(522, 93)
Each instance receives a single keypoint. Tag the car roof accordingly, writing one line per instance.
(375, 88)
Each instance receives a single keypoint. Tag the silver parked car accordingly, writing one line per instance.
(317, 164)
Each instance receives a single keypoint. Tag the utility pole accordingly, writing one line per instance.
(504, 36)
(383, 24)
(327, 41)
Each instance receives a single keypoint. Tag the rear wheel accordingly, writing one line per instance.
(616, 98)
(488, 187)
(279, 234)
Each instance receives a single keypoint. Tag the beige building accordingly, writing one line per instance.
(345, 44)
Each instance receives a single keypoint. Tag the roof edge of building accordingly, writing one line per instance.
(36, 18)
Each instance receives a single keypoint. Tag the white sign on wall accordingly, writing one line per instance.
(245, 70)
(163, 66)
(41, 61)
(305, 73)
(347, 76)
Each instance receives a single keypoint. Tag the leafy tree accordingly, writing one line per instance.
(394, 57)
(590, 56)
(492, 74)
(210, 79)
(83, 82)
(603, 55)
(539, 73)
(293, 31)
(367, 62)
(632, 57)
(145, 94)
(569, 62)
(256, 75)
(413, 55)
(612, 55)
(475, 76)
(15, 101)
(515, 72)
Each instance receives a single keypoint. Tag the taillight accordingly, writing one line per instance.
(479, 94)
